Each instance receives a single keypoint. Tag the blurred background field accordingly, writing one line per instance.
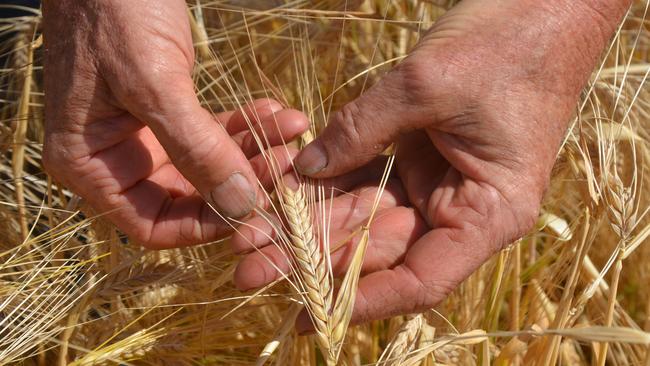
(73, 290)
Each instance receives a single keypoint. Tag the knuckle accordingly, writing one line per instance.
(147, 91)
(433, 292)
(201, 156)
(347, 121)
(433, 78)
(141, 96)
(353, 130)
(190, 232)
(416, 75)
(147, 243)
(422, 84)
(143, 235)
(363, 313)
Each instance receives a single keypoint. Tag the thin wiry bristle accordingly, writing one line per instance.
(73, 290)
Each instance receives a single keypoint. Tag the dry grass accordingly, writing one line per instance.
(72, 290)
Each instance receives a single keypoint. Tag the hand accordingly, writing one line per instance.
(477, 111)
(125, 130)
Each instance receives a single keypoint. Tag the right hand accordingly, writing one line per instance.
(125, 130)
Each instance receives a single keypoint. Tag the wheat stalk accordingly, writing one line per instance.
(133, 277)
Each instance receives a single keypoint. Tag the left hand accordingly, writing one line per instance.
(477, 112)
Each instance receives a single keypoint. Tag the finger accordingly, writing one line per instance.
(347, 213)
(102, 134)
(249, 115)
(434, 267)
(472, 222)
(371, 172)
(106, 173)
(247, 239)
(275, 162)
(173, 181)
(391, 234)
(274, 129)
(260, 268)
(361, 130)
(199, 147)
(154, 218)
(392, 231)
(256, 232)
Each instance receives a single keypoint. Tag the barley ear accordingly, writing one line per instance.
(344, 304)
(403, 342)
(309, 265)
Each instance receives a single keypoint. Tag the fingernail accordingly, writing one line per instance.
(312, 159)
(235, 197)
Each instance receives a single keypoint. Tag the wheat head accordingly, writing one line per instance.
(310, 266)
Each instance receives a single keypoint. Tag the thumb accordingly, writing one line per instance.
(197, 145)
(360, 131)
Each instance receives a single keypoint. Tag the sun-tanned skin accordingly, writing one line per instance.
(478, 110)
(125, 130)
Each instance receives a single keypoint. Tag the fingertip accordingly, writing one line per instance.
(242, 240)
(293, 123)
(261, 268)
(291, 181)
(281, 156)
(246, 274)
(276, 129)
(312, 159)
(258, 109)
(268, 104)
(254, 233)
(235, 197)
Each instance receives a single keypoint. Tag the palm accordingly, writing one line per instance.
(149, 196)
(489, 117)
(430, 232)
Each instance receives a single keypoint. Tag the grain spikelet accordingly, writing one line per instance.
(130, 348)
(343, 307)
(403, 342)
(134, 277)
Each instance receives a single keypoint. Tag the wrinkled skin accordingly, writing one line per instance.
(125, 130)
(478, 111)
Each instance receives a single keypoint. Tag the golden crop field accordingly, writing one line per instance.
(75, 291)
